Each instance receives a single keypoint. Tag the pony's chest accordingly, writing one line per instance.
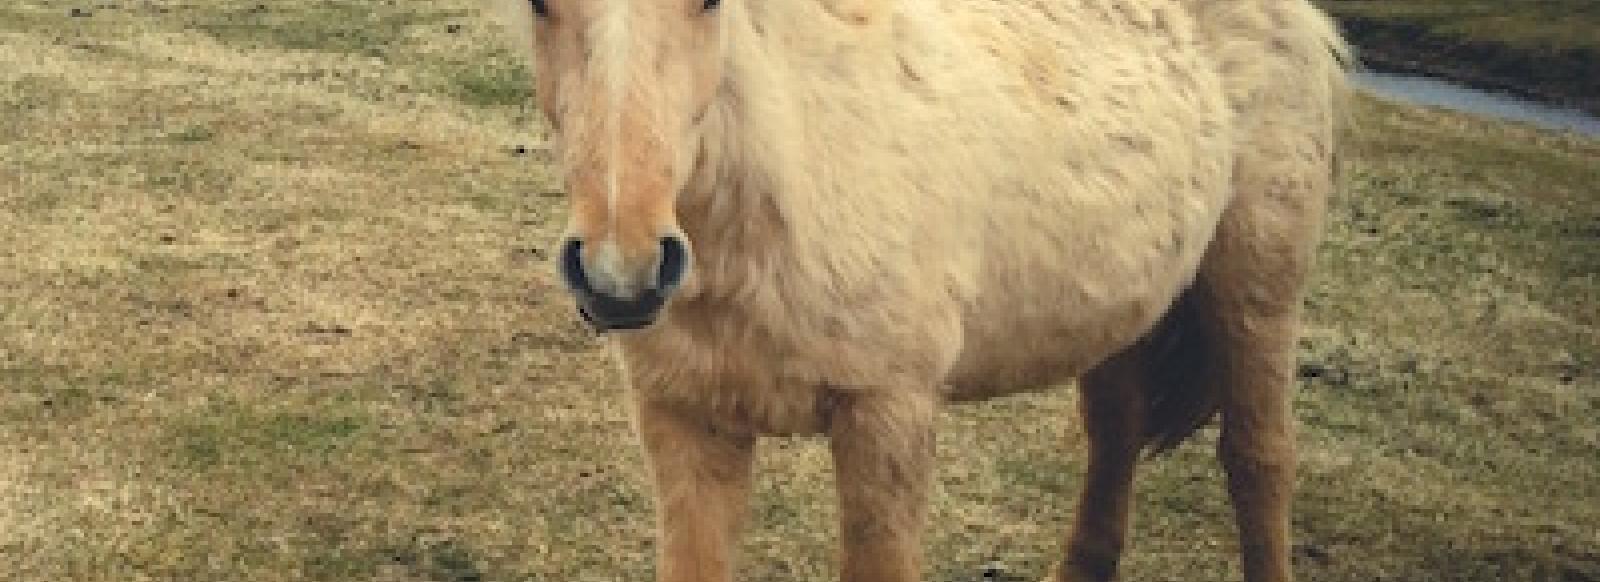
(743, 388)
(780, 371)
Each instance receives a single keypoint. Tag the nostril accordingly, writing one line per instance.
(674, 264)
(572, 267)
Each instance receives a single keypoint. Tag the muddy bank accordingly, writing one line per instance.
(1563, 77)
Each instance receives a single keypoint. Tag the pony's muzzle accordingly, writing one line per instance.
(612, 296)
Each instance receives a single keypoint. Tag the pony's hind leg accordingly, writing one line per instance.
(1253, 277)
(1257, 447)
(1112, 406)
(1258, 450)
(702, 482)
(1227, 345)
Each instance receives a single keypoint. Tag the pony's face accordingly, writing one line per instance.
(624, 84)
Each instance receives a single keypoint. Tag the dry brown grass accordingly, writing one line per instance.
(273, 306)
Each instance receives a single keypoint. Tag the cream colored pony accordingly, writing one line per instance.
(835, 216)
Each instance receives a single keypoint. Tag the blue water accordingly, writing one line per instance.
(1430, 91)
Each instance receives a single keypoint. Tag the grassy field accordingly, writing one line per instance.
(1545, 26)
(274, 305)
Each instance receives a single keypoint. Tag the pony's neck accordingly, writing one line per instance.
(733, 207)
(750, 166)
(755, 201)
(735, 198)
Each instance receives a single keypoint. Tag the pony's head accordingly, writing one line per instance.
(623, 84)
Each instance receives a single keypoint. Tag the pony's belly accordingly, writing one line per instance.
(1055, 302)
(1008, 355)
(1012, 355)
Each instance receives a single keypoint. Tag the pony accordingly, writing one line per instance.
(835, 217)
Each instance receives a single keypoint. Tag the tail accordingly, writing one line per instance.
(1184, 388)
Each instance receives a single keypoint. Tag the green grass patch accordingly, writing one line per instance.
(229, 437)
(193, 134)
(61, 393)
(493, 84)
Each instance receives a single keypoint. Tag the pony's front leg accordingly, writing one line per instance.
(883, 446)
(702, 486)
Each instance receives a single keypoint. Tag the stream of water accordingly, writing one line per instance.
(1431, 91)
